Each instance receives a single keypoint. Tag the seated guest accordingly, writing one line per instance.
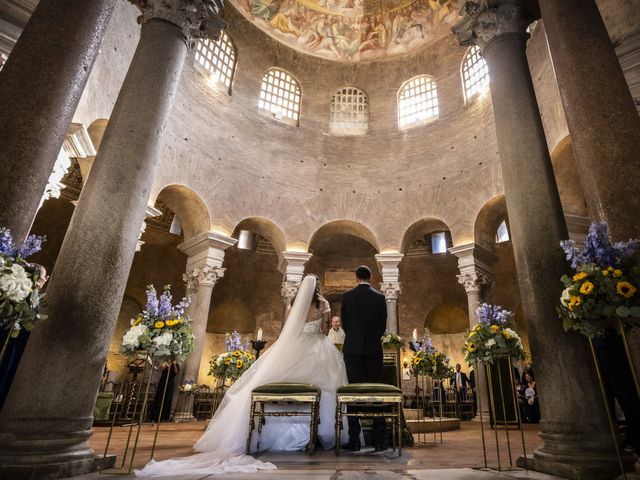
(336, 333)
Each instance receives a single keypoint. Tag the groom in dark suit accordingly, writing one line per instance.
(364, 319)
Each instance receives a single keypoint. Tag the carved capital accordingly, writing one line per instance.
(290, 290)
(482, 23)
(206, 275)
(391, 290)
(474, 281)
(196, 18)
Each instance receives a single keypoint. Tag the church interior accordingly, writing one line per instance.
(228, 150)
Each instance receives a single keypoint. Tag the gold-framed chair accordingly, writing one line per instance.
(285, 394)
(361, 397)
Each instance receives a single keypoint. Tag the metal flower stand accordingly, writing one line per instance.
(507, 394)
(424, 384)
(131, 407)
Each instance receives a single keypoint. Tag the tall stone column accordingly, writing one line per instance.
(204, 267)
(40, 87)
(47, 436)
(293, 265)
(601, 115)
(390, 286)
(577, 441)
(474, 263)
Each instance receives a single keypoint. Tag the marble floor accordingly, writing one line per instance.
(458, 457)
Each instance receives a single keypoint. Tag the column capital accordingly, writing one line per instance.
(207, 244)
(389, 266)
(391, 290)
(206, 274)
(483, 21)
(475, 263)
(293, 265)
(196, 18)
(473, 281)
(290, 290)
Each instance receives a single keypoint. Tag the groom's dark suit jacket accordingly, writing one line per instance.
(364, 319)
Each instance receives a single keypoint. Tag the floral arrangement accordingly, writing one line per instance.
(162, 329)
(189, 387)
(604, 287)
(234, 362)
(428, 361)
(20, 283)
(392, 340)
(492, 336)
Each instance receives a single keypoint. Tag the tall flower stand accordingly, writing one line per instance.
(130, 406)
(503, 402)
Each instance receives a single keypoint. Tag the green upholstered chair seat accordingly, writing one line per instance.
(368, 388)
(287, 389)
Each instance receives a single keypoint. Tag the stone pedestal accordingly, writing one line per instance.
(601, 115)
(46, 421)
(293, 264)
(474, 263)
(204, 268)
(574, 424)
(40, 87)
(390, 286)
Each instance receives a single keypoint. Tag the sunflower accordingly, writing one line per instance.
(470, 347)
(171, 323)
(617, 273)
(476, 327)
(227, 361)
(137, 321)
(580, 276)
(417, 360)
(574, 301)
(494, 328)
(239, 363)
(506, 334)
(625, 289)
(159, 324)
(236, 353)
(586, 288)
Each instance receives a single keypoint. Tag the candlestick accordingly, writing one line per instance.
(415, 334)
(259, 337)
(258, 345)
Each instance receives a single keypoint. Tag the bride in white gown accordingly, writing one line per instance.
(302, 354)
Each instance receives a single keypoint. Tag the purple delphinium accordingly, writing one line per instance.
(598, 249)
(233, 341)
(33, 244)
(152, 301)
(164, 305)
(181, 307)
(426, 345)
(492, 315)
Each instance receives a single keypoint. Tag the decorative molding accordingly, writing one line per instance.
(196, 18)
(206, 274)
(391, 290)
(389, 266)
(150, 212)
(293, 264)
(474, 281)
(78, 143)
(475, 263)
(482, 24)
(164, 220)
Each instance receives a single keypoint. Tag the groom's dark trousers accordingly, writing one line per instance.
(364, 319)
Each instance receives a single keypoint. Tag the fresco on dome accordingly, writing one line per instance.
(352, 30)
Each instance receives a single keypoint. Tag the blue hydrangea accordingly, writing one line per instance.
(32, 245)
(492, 315)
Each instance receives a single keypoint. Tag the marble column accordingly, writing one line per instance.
(293, 265)
(40, 87)
(204, 267)
(574, 428)
(474, 263)
(601, 115)
(46, 421)
(390, 286)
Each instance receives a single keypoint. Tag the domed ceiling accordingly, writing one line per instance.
(352, 30)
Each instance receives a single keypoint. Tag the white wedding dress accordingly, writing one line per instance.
(302, 354)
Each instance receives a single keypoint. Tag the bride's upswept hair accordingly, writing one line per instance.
(315, 301)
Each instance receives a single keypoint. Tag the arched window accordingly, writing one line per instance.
(502, 233)
(280, 95)
(417, 102)
(217, 59)
(349, 112)
(475, 74)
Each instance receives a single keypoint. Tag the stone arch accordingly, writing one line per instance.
(266, 228)
(345, 227)
(489, 218)
(188, 207)
(421, 227)
(446, 318)
(569, 187)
